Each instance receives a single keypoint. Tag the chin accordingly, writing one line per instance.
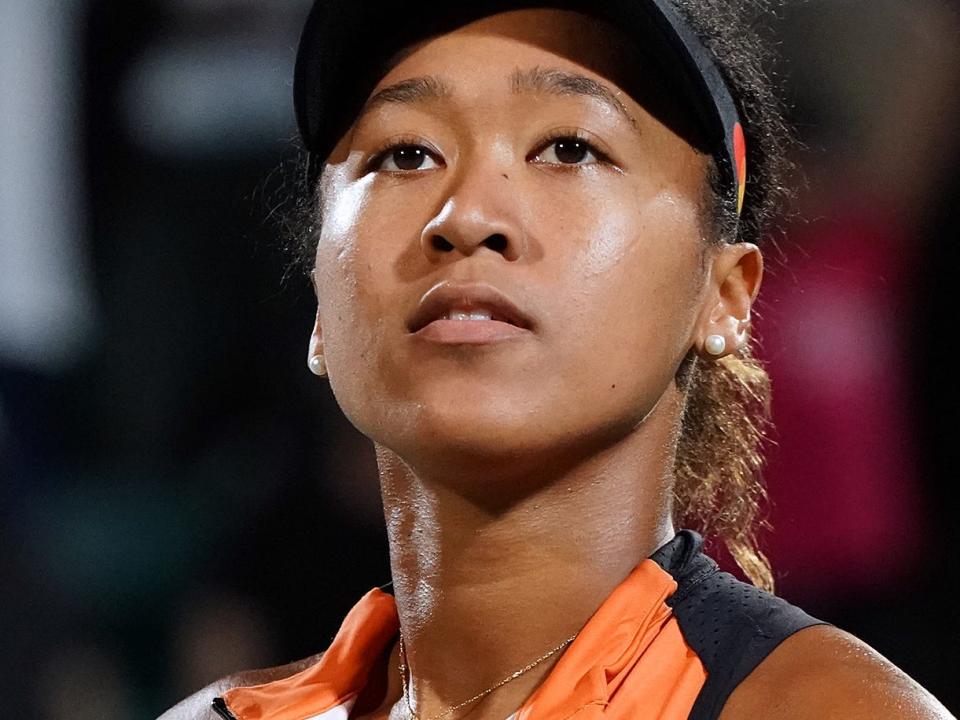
(486, 418)
(473, 427)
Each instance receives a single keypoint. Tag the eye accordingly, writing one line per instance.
(402, 157)
(568, 149)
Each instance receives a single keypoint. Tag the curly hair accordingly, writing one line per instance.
(718, 489)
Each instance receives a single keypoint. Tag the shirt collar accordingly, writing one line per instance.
(610, 646)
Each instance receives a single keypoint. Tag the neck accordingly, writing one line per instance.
(484, 587)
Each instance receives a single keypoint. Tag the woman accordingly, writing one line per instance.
(535, 252)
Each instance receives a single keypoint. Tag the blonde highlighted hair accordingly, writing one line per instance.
(718, 488)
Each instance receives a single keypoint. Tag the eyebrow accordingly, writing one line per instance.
(421, 89)
(536, 80)
(553, 81)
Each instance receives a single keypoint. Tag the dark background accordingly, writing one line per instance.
(181, 498)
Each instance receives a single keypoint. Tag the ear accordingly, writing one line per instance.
(734, 281)
(315, 345)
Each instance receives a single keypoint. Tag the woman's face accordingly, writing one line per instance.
(599, 245)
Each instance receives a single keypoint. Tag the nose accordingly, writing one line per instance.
(479, 212)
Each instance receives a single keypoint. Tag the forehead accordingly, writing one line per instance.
(420, 89)
(542, 51)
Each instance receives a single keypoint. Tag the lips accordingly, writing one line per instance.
(449, 296)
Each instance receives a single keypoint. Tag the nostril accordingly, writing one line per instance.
(497, 242)
(441, 243)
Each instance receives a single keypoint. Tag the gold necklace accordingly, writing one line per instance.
(512, 676)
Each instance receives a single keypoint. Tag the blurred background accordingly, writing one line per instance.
(177, 491)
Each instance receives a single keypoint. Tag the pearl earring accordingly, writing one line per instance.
(715, 344)
(318, 365)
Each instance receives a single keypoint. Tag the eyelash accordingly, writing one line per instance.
(381, 153)
(384, 150)
(572, 134)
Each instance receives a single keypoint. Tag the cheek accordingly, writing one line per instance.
(610, 237)
(357, 235)
(632, 279)
(346, 276)
(361, 261)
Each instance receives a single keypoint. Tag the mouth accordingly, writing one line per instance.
(469, 313)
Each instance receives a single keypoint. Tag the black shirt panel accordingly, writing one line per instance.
(730, 624)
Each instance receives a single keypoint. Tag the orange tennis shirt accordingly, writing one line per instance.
(671, 642)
